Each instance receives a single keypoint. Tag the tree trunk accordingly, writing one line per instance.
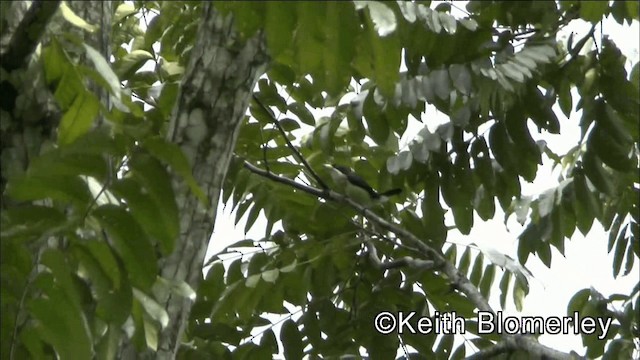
(211, 106)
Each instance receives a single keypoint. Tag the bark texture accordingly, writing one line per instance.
(214, 96)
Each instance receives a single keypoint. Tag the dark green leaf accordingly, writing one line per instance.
(78, 119)
(504, 288)
(60, 322)
(465, 261)
(301, 111)
(131, 243)
(376, 121)
(612, 152)
(487, 280)
(291, 340)
(598, 176)
(476, 272)
(131, 63)
(31, 220)
(618, 255)
(63, 188)
(445, 345)
(386, 60)
(628, 265)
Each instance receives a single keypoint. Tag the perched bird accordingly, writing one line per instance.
(356, 187)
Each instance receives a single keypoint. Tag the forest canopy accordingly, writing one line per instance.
(125, 124)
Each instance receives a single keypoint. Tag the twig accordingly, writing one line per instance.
(405, 261)
(457, 279)
(295, 151)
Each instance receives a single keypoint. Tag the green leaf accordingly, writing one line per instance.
(147, 212)
(383, 18)
(131, 243)
(544, 249)
(465, 261)
(461, 77)
(171, 69)
(516, 124)
(463, 217)
(60, 322)
(269, 341)
(308, 41)
(441, 83)
(476, 272)
(173, 156)
(376, 121)
(122, 11)
(598, 176)
(445, 345)
(612, 152)
(504, 288)
(451, 253)
(152, 308)
(628, 265)
(252, 217)
(584, 218)
(271, 275)
(341, 28)
(74, 19)
(31, 220)
(78, 119)
(56, 261)
(593, 11)
(386, 54)
(540, 111)
(301, 111)
(104, 69)
(113, 292)
(565, 99)
(156, 182)
(448, 22)
(487, 280)
(400, 162)
(484, 203)
(63, 188)
(519, 293)
(634, 76)
(131, 63)
(618, 255)
(502, 147)
(280, 24)
(460, 353)
(105, 258)
(433, 213)
(291, 340)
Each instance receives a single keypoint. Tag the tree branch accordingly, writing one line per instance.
(28, 34)
(405, 261)
(295, 151)
(440, 263)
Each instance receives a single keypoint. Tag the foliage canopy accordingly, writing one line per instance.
(89, 223)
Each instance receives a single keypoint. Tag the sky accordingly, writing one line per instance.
(586, 262)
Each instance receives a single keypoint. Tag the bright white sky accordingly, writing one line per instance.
(587, 263)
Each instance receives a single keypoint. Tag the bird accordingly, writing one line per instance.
(355, 185)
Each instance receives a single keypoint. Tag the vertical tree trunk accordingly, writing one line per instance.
(214, 96)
